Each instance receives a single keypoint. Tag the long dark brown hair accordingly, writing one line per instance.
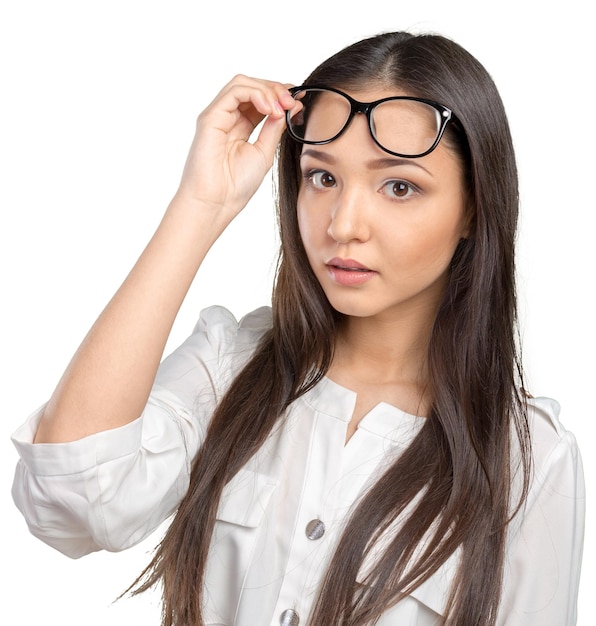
(462, 460)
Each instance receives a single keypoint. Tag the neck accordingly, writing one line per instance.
(384, 350)
(395, 341)
(382, 361)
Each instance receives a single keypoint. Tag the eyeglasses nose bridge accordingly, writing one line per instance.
(365, 108)
(361, 107)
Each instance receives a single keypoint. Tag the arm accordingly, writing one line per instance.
(108, 381)
(542, 567)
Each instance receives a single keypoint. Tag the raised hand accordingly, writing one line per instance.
(224, 168)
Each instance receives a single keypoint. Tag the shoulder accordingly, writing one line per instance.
(547, 430)
(220, 324)
(217, 333)
(212, 354)
(556, 459)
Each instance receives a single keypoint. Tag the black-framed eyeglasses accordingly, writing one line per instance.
(404, 126)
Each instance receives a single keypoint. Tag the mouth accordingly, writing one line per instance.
(348, 273)
(347, 265)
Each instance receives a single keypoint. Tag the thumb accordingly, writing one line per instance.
(269, 136)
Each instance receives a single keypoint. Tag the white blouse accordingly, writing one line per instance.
(280, 516)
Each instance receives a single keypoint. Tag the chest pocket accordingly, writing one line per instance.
(409, 612)
(245, 499)
(420, 608)
(425, 605)
(235, 542)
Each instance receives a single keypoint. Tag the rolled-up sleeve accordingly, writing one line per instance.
(110, 490)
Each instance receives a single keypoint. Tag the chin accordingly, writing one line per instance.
(363, 308)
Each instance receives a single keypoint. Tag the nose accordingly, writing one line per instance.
(349, 216)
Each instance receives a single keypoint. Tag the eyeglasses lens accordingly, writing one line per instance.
(406, 127)
(322, 117)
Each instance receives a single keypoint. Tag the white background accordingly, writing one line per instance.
(97, 108)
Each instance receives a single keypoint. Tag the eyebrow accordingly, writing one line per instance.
(374, 164)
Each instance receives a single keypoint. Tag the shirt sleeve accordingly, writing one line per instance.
(542, 568)
(110, 490)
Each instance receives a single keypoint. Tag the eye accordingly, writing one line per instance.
(399, 189)
(320, 179)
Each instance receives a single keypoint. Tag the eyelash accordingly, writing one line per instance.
(309, 179)
(411, 189)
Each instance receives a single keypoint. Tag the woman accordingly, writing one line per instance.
(363, 453)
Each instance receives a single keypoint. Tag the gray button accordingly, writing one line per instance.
(315, 529)
(289, 618)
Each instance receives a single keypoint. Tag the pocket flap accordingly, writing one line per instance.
(245, 498)
(433, 592)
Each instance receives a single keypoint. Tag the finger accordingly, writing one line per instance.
(269, 138)
(254, 98)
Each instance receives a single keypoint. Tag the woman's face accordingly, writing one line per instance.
(380, 231)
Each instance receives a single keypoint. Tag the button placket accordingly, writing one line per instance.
(308, 551)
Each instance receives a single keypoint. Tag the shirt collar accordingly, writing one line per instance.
(384, 420)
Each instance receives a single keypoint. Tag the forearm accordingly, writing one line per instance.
(108, 381)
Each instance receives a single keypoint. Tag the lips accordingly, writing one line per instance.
(348, 272)
(348, 265)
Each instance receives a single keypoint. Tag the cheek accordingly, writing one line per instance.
(302, 226)
(430, 245)
(443, 239)
(311, 225)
